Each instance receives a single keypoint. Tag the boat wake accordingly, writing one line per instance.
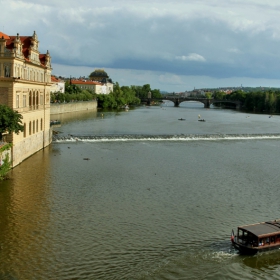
(179, 137)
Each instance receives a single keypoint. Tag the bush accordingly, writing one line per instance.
(5, 165)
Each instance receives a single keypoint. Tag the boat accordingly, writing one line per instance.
(181, 119)
(54, 122)
(201, 120)
(254, 238)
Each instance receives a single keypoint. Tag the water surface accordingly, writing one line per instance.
(117, 208)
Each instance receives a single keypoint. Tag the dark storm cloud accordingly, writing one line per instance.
(217, 39)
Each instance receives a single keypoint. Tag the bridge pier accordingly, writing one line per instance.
(176, 102)
(207, 103)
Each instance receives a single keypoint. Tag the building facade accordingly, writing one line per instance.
(95, 86)
(25, 81)
(57, 85)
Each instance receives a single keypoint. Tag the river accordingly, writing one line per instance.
(139, 194)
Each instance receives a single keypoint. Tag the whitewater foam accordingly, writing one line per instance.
(181, 137)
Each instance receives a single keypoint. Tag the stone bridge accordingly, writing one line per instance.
(179, 99)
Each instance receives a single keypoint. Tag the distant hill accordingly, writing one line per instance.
(246, 89)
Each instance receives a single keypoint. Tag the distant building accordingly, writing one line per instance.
(98, 75)
(57, 85)
(95, 86)
(25, 81)
(194, 93)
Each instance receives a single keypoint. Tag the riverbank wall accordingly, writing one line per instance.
(61, 108)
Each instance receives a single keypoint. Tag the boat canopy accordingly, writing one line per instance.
(263, 229)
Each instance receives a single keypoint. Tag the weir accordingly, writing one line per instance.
(180, 137)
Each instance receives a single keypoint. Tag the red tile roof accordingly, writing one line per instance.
(26, 44)
(5, 36)
(54, 79)
(85, 82)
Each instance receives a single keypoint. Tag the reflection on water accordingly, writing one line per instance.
(141, 209)
(24, 219)
(75, 116)
(267, 260)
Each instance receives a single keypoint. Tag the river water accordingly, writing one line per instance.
(139, 194)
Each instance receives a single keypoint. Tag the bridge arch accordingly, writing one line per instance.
(206, 101)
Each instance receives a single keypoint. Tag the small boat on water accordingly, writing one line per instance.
(181, 119)
(254, 238)
(201, 120)
(54, 122)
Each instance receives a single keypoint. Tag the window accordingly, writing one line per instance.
(37, 99)
(24, 130)
(30, 100)
(17, 101)
(7, 71)
(24, 101)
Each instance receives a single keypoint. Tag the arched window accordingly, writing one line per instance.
(34, 101)
(37, 99)
(24, 130)
(33, 127)
(30, 100)
(30, 131)
(36, 125)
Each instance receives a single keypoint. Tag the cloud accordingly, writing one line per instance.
(191, 57)
(194, 38)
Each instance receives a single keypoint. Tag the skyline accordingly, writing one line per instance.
(171, 45)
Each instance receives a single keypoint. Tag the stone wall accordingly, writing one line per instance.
(31, 145)
(4, 95)
(60, 108)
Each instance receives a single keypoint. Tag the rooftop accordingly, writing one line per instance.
(263, 229)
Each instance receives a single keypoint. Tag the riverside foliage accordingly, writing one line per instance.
(10, 121)
(121, 96)
(5, 163)
(126, 95)
(254, 101)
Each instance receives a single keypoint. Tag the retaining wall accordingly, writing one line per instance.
(60, 108)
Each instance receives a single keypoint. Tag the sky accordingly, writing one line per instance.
(174, 45)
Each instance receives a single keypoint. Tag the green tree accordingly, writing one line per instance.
(10, 121)
(156, 93)
(219, 95)
(5, 164)
(237, 95)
